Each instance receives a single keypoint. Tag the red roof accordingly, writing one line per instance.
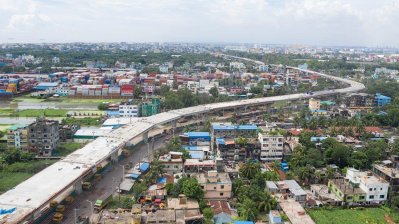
(373, 129)
(219, 207)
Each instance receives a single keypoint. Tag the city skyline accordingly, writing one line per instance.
(305, 22)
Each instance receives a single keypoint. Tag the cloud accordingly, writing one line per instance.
(327, 22)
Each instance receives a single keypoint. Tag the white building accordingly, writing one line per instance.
(128, 110)
(376, 189)
(237, 65)
(164, 68)
(271, 145)
(206, 84)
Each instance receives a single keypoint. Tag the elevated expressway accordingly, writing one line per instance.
(32, 197)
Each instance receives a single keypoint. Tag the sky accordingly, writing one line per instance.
(305, 22)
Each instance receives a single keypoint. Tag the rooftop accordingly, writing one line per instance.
(213, 177)
(344, 186)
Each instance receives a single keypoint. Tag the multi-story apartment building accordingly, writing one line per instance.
(43, 136)
(376, 189)
(172, 162)
(359, 100)
(389, 171)
(128, 110)
(272, 145)
(360, 187)
(215, 185)
(17, 137)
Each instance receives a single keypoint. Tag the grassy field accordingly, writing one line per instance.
(9, 180)
(66, 148)
(15, 173)
(350, 216)
(6, 112)
(44, 112)
(63, 100)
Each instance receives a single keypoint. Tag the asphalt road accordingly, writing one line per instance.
(108, 184)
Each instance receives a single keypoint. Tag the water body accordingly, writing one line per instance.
(45, 105)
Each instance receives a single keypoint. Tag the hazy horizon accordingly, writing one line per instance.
(287, 22)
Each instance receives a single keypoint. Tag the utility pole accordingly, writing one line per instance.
(75, 221)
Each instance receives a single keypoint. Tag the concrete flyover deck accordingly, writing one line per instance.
(32, 197)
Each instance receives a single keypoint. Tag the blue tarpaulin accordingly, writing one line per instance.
(135, 176)
(144, 167)
(7, 211)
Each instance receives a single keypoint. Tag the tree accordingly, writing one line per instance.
(137, 92)
(267, 202)
(103, 106)
(214, 92)
(208, 215)
(248, 209)
(249, 170)
(164, 90)
(191, 188)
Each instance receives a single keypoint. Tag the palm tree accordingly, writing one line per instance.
(267, 202)
(249, 170)
(275, 165)
(247, 210)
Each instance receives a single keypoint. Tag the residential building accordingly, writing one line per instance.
(215, 185)
(376, 188)
(359, 100)
(237, 65)
(389, 171)
(128, 110)
(381, 100)
(220, 130)
(293, 189)
(271, 145)
(222, 213)
(43, 136)
(17, 137)
(199, 165)
(172, 162)
(314, 104)
(346, 192)
(67, 132)
(275, 217)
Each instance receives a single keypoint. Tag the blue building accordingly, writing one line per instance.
(197, 136)
(230, 130)
(45, 85)
(381, 100)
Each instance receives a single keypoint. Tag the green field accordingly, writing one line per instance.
(350, 216)
(44, 112)
(6, 112)
(66, 148)
(15, 173)
(9, 180)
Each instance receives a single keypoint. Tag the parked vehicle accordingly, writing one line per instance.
(101, 203)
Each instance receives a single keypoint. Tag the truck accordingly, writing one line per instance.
(86, 186)
(58, 217)
(101, 203)
(60, 209)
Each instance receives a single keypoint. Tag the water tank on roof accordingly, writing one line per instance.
(107, 81)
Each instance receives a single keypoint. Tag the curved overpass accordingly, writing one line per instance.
(31, 198)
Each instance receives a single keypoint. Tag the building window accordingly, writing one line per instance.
(370, 189)
(371, 197)
(361, 197)
(382, 196)
(221, 194)
(349, 198)
(222, 187)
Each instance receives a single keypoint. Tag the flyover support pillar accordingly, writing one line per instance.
(78, 187)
